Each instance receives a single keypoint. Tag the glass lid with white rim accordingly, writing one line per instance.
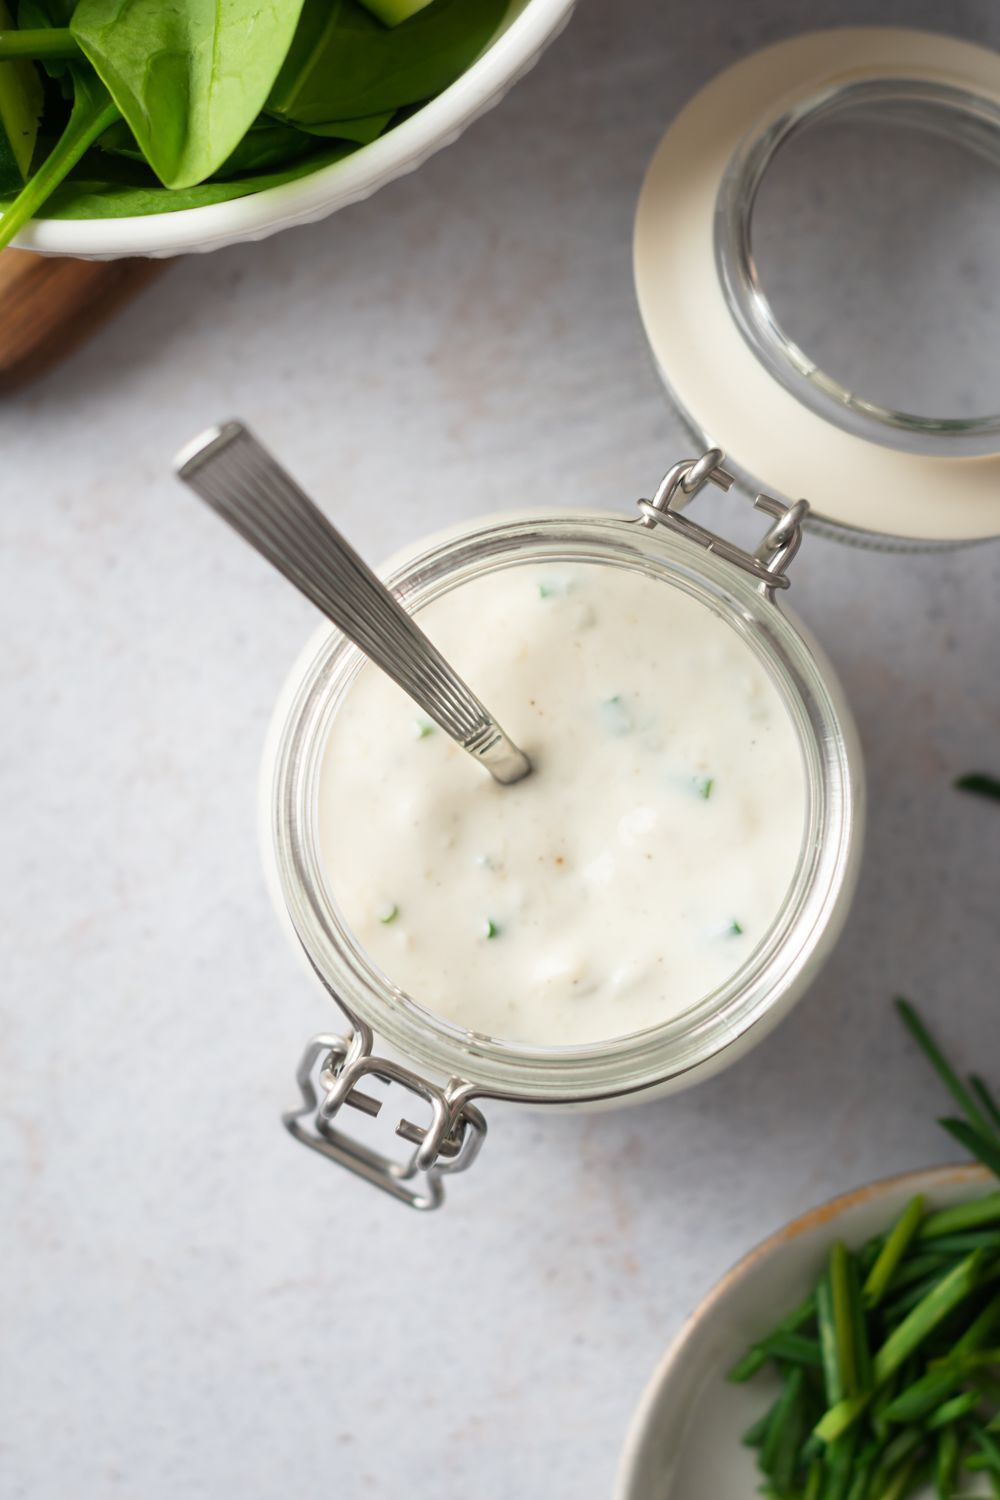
(860, 364)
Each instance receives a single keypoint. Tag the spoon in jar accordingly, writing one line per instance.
(243, 484)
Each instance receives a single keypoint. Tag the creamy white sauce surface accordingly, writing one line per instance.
(633, 871)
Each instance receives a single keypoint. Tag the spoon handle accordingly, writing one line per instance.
(241, 481)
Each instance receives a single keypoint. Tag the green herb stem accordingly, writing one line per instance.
(828, 1343)
(90, 118)
(892, 1252)
(964, 1216)
(840, 1418)
(756, 1358)
(47, 42)
(946, 1463)
(987, 1102)
(985, 1147)
(944, 1070)
(981, 783)
(949, 1292)
(844, 1294)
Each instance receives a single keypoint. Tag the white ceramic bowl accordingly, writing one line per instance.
(529, 27)
(684, 1441)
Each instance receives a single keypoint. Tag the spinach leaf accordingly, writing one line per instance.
(189, 76)
(92, 113)
(94, 196)
(20, 112)
(267, 143)
(343, 64)
(367, 128)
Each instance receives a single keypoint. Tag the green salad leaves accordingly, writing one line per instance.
(110, 108)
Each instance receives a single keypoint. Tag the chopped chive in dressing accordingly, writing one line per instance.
(735, 929)
(388, 913)
(616, 717)
(490, 928)
(423, 727)
(704, 785)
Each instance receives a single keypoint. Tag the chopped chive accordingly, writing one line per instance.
(794, 1348)
(755, 1435)
(755, 1359)
(986, 1100)
(388, 914)
(840, 1466)
(960, 1244)
(949, 1292)
(923, 1396)
(423, 727)
(963, 1216)
(840, 1418)
(976, 1335)
(946, 1463)
(987, 1446)
(814, 1482)
(828, 1342)
(951, 1411)
(490, 928)
(897, 1309)
(982, 1146)
(981, 783)
(861, 1483)
(919, 1267)
(617, 719)
(735, 929)
(704, 785)
(901, 1483)
(944, 1070)
(892, 1252)
(784, 1436)
(845, 1324)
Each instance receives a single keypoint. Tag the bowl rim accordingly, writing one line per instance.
(917, 1179)
(436, 124)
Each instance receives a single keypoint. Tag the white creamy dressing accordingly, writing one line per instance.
(636, 868)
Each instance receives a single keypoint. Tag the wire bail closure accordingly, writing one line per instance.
(331, 1068)
(769, 561)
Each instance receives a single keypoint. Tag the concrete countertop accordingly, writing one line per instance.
(191, 1305)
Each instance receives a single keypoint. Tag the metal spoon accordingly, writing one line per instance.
(240, 480)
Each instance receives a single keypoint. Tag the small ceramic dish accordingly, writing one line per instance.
(684, 1441)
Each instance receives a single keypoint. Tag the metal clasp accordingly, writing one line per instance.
(768, 563)
(328, 1078)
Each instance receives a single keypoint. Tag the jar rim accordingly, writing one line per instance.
(772, 976)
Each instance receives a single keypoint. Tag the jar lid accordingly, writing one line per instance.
(869, 471)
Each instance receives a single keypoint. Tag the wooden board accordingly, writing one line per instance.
(50, 304)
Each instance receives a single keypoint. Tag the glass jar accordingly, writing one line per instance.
(451, 1069)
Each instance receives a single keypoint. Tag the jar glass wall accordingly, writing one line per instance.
(719, 1026)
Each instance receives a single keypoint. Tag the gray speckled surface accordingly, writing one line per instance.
(192, 1307)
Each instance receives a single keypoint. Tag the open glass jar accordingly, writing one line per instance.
(450, 1069)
